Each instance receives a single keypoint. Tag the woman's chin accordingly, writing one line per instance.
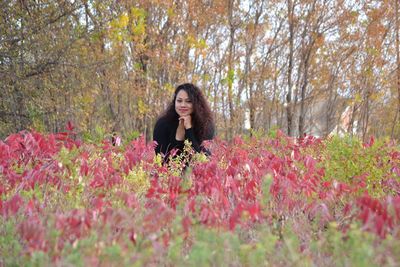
(181, 114)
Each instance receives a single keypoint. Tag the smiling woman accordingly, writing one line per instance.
(188, 117)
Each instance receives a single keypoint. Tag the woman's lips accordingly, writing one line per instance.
(183, 110)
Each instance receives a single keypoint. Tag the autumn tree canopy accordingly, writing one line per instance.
(306, 67)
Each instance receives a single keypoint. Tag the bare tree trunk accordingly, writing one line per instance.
(331, 108)
(251, 107)
(365, 115)
(231, 69)
(352, 119)
(224, 116)
(105, 88)
(248, 67)
(303, 93)
(18, 109)
(289, 110)
(396, 116)
(274, 101)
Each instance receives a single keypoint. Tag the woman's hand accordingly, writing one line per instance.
(180, 131)
(187, 121)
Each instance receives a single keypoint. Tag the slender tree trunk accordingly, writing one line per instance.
(365, 116)
(17, 108)
(352, 119)
(289, 110)
(231, 69)
(303, 94)
(396, 116)
(248, 68)
(274, 103)
(224, 116)
(252, 107)
(332, 107)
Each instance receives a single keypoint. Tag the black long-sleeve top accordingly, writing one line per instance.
(165, 132)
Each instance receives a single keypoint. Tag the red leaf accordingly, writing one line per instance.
(131, 201)
(30, 207)
(98, 203)
(132, 237)
(396, 171)
(13, 205)
(70, 126)
(84, 168)
(254, 210)
(309, 162)
(369, 143)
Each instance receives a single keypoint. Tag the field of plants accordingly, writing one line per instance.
(257, 201)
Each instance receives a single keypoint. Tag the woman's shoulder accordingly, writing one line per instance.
(163, 122)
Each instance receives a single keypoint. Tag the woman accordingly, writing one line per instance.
(188, 117)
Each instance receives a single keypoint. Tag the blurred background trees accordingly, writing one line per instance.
(307, 67)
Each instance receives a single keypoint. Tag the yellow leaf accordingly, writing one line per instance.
(138, 29)
(169, 88)
(123, 20)
(358, 98)
(142, 107)
(171, 12)
(138, 13)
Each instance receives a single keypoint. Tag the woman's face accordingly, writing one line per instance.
(183, 105)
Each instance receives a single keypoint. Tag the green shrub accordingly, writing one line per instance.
(347, 160)
(10, 247)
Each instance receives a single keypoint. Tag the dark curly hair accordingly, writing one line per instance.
(202, 119)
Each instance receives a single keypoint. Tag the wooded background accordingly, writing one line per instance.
(304, 66)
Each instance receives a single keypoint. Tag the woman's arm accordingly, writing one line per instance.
(164, 135)
(197, 146)
(161, 135)
(189, 135)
